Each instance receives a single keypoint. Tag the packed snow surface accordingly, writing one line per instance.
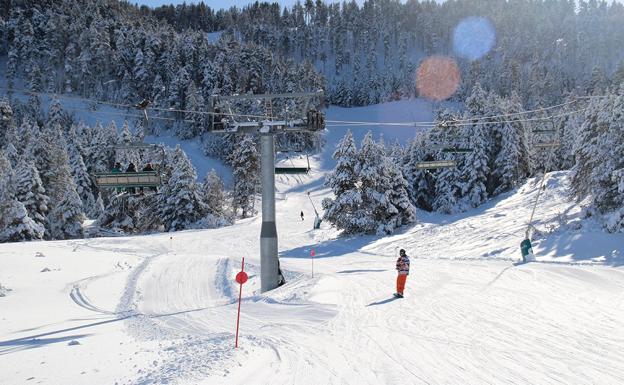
(161, 308)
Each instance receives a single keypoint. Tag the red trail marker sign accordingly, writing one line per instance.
(241, 278)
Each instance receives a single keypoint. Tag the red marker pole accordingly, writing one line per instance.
(312, 254)
(241, 278)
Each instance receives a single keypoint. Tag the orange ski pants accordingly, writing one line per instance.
(401, 278)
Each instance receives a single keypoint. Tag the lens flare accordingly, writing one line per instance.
(437, 78)
(473, 38)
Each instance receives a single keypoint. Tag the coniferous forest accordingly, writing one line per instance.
(544, 53)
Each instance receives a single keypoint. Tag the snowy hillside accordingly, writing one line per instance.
(162, 308)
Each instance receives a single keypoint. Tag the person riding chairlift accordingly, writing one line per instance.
(116, 170)
(131, 168)
(148, 167)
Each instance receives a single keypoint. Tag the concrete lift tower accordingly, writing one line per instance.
(298, 114)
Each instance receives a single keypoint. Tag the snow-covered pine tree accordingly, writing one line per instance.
(126, 138)
(399, 197)
(6, 120)
(599, 162)
(568, 128)
(343, 181)
(30, 191)
(195, 122)
(421, 183)
(56, 117)
(448, 190)
(447, 198)
(15, 224)
(120, 214)
(376, 210)
(103, 147)
(214, 194)
(510, 164)
(474, 168)
(182, 203)
(67, 216)
(66, 211)
(246, 169)
(11, 154)
(85, 187)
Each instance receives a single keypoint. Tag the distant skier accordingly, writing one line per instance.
(301, 215)
(402, 266)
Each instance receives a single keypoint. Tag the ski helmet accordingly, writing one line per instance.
(402, 251)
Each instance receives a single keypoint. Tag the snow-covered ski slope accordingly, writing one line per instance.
(162, 308)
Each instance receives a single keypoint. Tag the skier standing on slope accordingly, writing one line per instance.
(402, 266)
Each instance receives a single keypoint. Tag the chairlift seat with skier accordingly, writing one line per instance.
(129, 179)
(151, 178)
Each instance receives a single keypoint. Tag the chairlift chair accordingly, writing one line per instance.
(433, 165)
(286, 170)
(546, 145)
(457, 150)
(303, 118)
(130, 180)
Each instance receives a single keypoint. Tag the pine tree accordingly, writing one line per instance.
(120, 214)
(474, 168)
(214, 194)
(85, 188)
(30, 191)
(67, 216)
(509, 160)
(246, 169)
(421, 183)
(66, 211)
(6, 120)
(126, 138)
(376, 211)
(183, 205)
(399, 197)
(15, 224)
(103, 147)
(343, 181)
(56, 116)
(448, 190)
(599, 164)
